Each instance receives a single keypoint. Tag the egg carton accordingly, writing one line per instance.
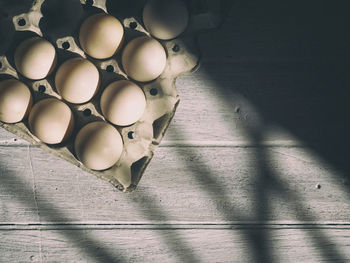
(141, 138)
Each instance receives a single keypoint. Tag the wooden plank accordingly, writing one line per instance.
(266, 71)
(182, 184)
(282, 67)
(182, 245)
(271, 138)
(16, 162)
(271, 64)
(173, 226)
(20, 246)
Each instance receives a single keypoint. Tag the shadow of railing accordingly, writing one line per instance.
(75, 235)
(201, 172)
(265, 183)
(269, 182)
(309, 96)
(175, 242)
(288, 60)
(47, 211)
(293, 74)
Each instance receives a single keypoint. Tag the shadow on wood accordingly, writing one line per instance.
(290, 61)
(266, 182)
(175, 242)
(87, 244)
(47, 211)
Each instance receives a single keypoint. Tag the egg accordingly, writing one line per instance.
(98, 145)
(77, 80)
(101, 36)
(51, 120)
(15, 101)
(144, 59)
(35, 58)
(123, 102)
(165, 19)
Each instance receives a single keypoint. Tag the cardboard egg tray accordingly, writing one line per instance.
(141, 138)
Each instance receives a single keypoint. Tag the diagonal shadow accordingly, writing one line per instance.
(280, 107)
(270, 182)
(267, 182)
(302, 103)
(174, 241)
(258, 238)
(87, 244)
(327, 248)
(290, 61)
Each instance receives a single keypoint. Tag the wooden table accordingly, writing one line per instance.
(254, 167)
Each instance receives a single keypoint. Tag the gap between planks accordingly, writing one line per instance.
(184, 143)
(173, 225)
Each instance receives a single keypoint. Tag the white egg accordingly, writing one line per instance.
(101, 36)
(51, 120)
(144, 59)
(98, 145)
(123, 102)
(35, 58)
(77, 80)
(15, 101)
(165, 19)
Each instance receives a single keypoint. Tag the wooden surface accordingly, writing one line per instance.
(254, 167)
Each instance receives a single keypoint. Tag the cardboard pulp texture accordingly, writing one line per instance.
(59, 22)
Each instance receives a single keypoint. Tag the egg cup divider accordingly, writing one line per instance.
(140, 139)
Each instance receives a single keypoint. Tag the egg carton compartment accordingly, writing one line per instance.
(59, 23)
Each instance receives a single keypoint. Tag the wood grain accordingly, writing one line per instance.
(253, 168)
(195, 184)
(162, 245)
